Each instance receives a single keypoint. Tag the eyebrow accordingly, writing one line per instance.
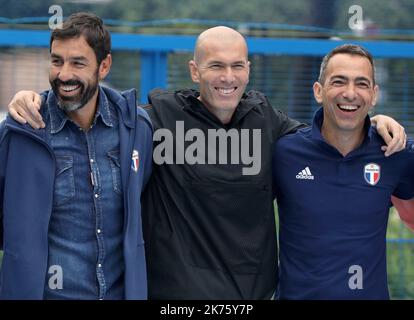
(363, 79)
(346, 78)
(54, 55)
(224, 63)
(77, 58)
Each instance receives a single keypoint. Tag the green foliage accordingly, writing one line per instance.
(400, 259)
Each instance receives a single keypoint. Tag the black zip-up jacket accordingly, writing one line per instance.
(210, 230)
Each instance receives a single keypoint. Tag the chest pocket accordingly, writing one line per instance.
(64, 181)
(115, 170)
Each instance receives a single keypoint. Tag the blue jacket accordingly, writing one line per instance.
(27, 173)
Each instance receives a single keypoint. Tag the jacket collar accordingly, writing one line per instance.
(126, 104)
(317, 126)
(248, 102)
(58, 117)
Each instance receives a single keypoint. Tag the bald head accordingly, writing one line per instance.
(218, 36)
(221, 68)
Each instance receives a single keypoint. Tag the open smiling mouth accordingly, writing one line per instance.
(226, 90)
(67, 88)
(347, 108)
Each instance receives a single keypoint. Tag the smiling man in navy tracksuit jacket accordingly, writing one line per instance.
(70, 210)
(333, 188)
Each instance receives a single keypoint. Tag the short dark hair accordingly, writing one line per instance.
(91, 27)
(351, 49)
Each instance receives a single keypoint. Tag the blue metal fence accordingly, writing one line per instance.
(154, 48)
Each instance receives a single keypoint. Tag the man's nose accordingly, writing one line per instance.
(227, 75)
(65, 73)
(350, 92)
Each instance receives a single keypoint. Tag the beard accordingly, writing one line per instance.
(75, 102)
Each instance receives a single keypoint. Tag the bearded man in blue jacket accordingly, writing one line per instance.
(70, 210)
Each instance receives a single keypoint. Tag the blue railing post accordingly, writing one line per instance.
(153, 72)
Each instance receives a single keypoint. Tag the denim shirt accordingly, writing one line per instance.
(85, 231)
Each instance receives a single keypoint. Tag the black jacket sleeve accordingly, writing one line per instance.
(283, 125)
(280, 124)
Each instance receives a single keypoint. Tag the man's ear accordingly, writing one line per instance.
(105, 66)
(317, 92)
(194, 71)
(248, 70)
(375, 97)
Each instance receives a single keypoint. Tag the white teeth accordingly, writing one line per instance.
(69, 88)
(347, 107)
(226, 90)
